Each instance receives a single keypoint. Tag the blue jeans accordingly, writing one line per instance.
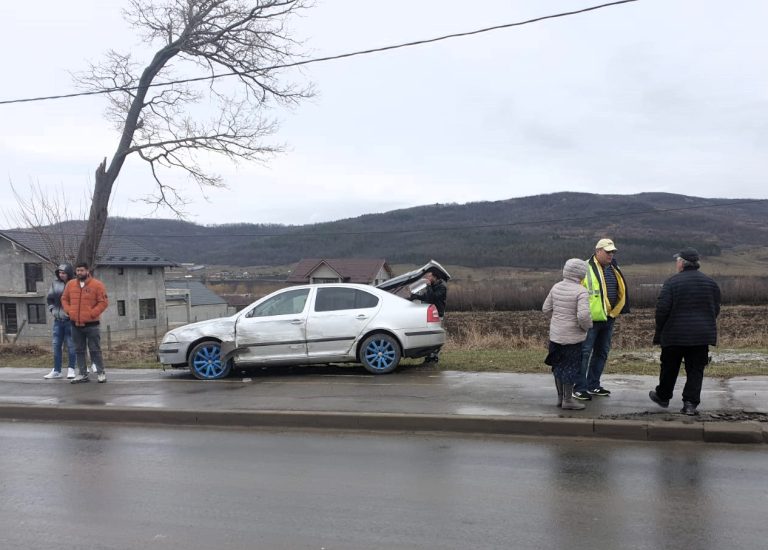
(91, 337)
(594, 354)
(62, 334)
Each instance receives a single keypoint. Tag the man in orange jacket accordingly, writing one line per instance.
(85, 299)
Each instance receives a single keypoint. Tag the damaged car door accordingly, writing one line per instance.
(274, 330)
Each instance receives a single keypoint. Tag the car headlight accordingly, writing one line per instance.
(170, 338)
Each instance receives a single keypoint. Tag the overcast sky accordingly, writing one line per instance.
(657, 95)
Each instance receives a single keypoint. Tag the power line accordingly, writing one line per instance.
(319, 59)
(432, 228)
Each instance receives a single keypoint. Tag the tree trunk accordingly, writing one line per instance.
(97, 219)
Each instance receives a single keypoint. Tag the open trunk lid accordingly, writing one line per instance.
(396, 283)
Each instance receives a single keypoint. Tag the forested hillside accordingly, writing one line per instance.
(537, 231)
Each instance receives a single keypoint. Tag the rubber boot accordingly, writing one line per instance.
(569, 403)
(559, 386)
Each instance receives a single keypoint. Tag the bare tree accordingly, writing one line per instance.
(46, 214)
(247, 39)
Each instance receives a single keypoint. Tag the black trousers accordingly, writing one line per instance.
(696, 358)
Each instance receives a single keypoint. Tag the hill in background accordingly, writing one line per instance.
(531, 232)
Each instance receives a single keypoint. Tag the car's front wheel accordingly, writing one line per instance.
(380, 353)
(205, 361)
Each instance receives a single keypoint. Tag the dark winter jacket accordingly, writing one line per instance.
(436, 293)
(57, 289)
(687, 310)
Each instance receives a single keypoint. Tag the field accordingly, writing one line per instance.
(738, 327)
(515, 341)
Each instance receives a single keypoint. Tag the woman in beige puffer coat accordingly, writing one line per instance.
(568, 302)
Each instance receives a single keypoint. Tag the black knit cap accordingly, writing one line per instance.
(689, 254)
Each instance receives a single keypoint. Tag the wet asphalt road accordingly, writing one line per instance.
(349, 390)
(116, 487)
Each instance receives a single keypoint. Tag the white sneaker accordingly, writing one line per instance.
(93, 367)
(70, 373)
(101, 377)
(53, 374)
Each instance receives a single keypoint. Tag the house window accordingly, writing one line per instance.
(8, 318)
(149, 271)
(33, 273)
(120, 271)
(121, 308)
(36, 314)
(147, 309)
(325, 280)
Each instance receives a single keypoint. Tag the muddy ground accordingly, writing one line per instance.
(723, 415)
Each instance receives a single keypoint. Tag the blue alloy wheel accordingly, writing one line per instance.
(380, 353)
(205, 361)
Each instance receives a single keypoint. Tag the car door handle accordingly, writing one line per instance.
(296, 321)
(361, 317)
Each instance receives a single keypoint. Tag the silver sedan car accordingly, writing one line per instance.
(311, 324)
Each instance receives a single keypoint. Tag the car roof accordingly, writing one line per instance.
(359, 286)
(324, 285)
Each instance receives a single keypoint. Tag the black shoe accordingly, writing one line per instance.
(79, 379)
(601, 391)
(658, 400)
(581, 396)
(689, 409)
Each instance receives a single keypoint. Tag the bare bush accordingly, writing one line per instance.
(473, 337)
(499, 295)
(526, 295)
(738, 327)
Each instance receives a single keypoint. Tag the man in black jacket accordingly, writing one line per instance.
(434, 293)
(62, 328)
(686, 325)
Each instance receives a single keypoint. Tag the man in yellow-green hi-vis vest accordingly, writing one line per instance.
(607, 300)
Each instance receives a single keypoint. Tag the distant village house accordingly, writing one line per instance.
(347, 270)
(191, 301)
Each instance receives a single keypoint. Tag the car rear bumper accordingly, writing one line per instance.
(421, 352)
(422, 341)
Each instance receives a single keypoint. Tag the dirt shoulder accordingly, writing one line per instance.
(720, 415)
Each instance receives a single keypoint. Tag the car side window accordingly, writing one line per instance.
(335, 299)
(287, 303)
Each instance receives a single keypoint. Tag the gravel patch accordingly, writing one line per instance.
(719, 415)
(726, 356)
